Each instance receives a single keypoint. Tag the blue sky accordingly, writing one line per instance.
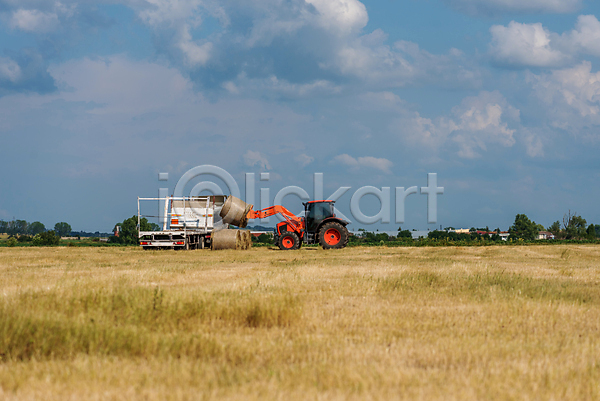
(501, 98)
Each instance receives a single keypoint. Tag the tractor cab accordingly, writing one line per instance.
(315, 212)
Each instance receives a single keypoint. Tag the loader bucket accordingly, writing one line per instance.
(235, 212)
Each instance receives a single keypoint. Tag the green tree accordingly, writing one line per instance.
(129, 230)
(597, 228)
(35, 228)
(404, 234)
(24, 238)
(47, 238)
(17, 227)
(591, 231)
(523, 228)
(574, 225)
(555, 228)
(62, 229)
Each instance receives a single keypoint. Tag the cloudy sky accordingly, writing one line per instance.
(500, 98)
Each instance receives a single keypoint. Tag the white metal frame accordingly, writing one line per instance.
(167, 214)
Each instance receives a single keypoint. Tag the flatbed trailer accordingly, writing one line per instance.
(187, 222)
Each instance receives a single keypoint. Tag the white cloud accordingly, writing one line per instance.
(194, 54)
(273, 19)
(368, 58)
(476, 123)
(488, 7)
(117, 103)
(531, 45)
(571, 95)
(533, 144)
(368, 161)
(325, 35)
(342, 16)
(275, 87)
(34, 21)
(157, 12)
(284, 88)
(424, 131)
(585, 36)
(524, 45)
(9, 70)
(303, 160)
(579, 87)
(253, 158)
(231, 87)
(479, 125)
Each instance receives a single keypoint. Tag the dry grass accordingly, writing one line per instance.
(497, 323)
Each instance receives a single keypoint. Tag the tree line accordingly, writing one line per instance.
(22, 227)
(572, 227)
(36, 232)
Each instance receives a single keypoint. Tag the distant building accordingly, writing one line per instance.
(545, 235)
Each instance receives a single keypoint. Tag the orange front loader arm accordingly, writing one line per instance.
(291, 218)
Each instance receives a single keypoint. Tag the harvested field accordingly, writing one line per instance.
(498, 323)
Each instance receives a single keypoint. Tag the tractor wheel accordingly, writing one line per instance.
(333, 236)
(288, 241)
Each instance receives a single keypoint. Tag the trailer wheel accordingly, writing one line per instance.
(333, 236)
(288, 241)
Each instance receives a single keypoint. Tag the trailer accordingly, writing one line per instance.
(187, 222)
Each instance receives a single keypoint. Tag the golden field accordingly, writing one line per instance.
(501, 323)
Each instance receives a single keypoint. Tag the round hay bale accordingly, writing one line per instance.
(235, 212)
(245, 239)
(225, 239)
(248, 239)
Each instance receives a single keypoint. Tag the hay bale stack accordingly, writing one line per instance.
(231, 239)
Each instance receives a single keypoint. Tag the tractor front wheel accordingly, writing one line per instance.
(288, 241)
(333, 236)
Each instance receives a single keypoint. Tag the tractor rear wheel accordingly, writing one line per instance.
(288, 241)
(333, 236)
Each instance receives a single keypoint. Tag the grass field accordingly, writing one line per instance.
(500, 323)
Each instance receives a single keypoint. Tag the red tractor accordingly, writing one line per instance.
(319, 225)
